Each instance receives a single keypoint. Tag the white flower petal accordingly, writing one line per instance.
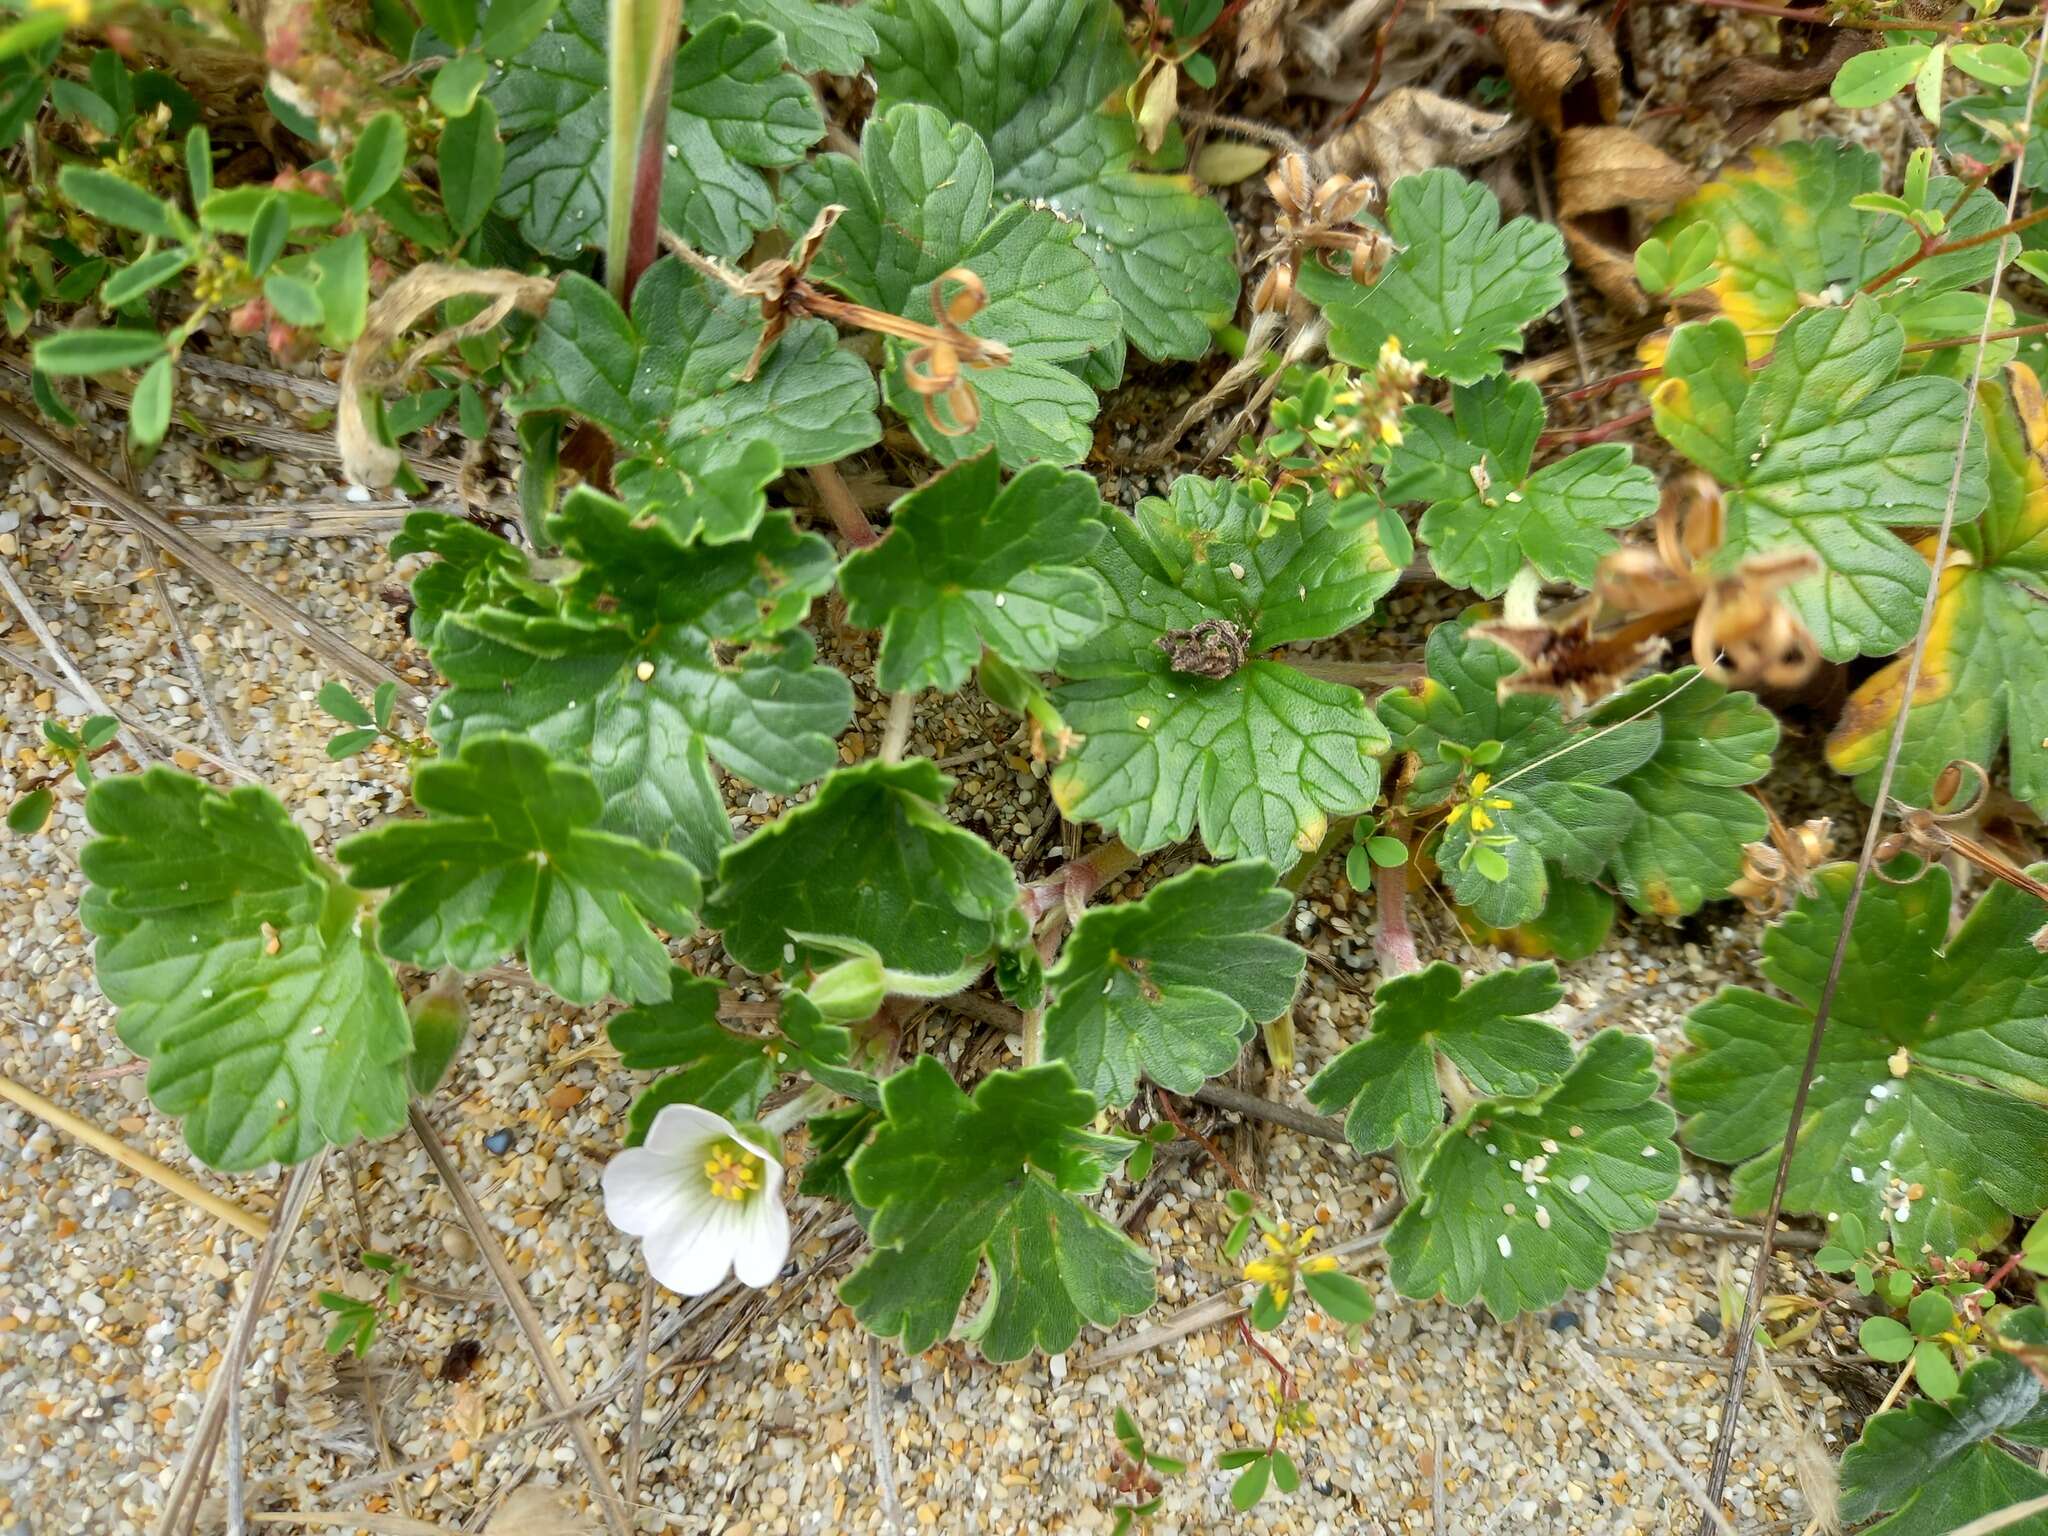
(761, 1241)
(693, 1257)
(646, 1191)
(679, 1126)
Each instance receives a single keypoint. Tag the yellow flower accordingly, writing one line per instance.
(76, 12)
(1478, 805)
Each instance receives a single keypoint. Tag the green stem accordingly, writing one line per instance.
(642, 37)
(1518, 603)
(786, 1117)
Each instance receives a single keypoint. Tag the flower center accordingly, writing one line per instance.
(732, 1171)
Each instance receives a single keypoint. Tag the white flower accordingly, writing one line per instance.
(702, 1199)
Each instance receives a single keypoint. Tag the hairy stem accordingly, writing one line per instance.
(852, 523)
(643, 36)
(1518, 603)
(896, 734)
(1949, 247)
(1394, 940)
(1357, 674)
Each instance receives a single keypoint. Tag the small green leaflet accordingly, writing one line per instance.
(696, 443)
(920, 201)
(1686, 848)
(970, 562)
(958, 1182)
(727, 1071)
(1925, 1118)
(242, 967)
(1171, 986)
(1260, 759)
(1564, 808)
(1519, 1199)
(1984, 677)
(1387, 1083)
(1488, 513)
(1459, 288)
(1826, 450)
(1041, 82)
(723, 1070)
(871, 860)
(733, 111)
(822, 37)
(647, 664)
(1933, 1467)
(509, 857)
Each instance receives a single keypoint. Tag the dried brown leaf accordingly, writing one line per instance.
(1607, 179)
(1564, 69)
(1749, 93)
(1412, 130)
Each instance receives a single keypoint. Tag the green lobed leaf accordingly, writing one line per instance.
(1565, 809)
(1042, 82)
(1386, 1084)
(1489, 513)
(510, 857)
(969, 562)
(1791, 235)
(821, 37)
(696, 443)
(1686, 847)
(1945, 1152)
(723, 1070)
(959, 1183)
(242, 968)
(734, 111)
(1824, 450)
(1984, 673)
(1933, 1467)
(1261, 759)
(1519, 1199)
(1459, 288)
(870, 860)
(921, 201)
(1170, 987)
(646, 665)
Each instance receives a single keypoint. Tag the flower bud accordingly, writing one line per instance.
(440, 1024)
(850, 991)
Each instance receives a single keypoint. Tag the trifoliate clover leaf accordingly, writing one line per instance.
(1686, 847)
(1791, 236)
(1177, 727)
(958, 1182)
(1549, 800)
(1387, 1083)
(1459, 288)
(1519, 1199)
(726, 1071)
(1489, 513)
(1925, 1117)
(969, 562)
(1824, 450)
(509, 857)
(1171, 986)
(1984, 677)
(696, 443)
(921, 201)
(1934, 1467)
(734, 109)
(871, 861)
(242, 969)
(822, 38)
(649, 663)
(1042, 82)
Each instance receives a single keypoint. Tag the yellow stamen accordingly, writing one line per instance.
(732, 1171)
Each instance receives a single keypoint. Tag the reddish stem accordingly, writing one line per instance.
(1372, 81)
(1818, 18)
(1173, 1118)
(1394, 941)
(1598, 434)
(1947, 248)
(845, 512)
